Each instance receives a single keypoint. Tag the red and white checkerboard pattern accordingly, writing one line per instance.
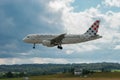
(92, 31)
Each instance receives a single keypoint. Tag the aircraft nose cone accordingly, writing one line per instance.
(24, 40)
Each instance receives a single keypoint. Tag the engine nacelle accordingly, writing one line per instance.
(46, 43)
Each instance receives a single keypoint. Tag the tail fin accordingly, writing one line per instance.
(92, 31)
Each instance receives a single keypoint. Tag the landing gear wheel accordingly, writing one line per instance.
(34, 46)
(60, 47)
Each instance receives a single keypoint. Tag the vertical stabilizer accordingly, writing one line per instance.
(92, 31)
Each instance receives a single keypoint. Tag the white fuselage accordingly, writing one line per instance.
(58, 40)
(68, 39)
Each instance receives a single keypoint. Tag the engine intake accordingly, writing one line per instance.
(47, 43)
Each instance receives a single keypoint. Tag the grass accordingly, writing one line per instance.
(12, 79)
(95, 76)
(115, 70)
(106, 75)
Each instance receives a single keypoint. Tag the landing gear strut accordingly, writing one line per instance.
(59, 47)
(34, 46)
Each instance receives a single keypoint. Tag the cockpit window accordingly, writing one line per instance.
(28, 36)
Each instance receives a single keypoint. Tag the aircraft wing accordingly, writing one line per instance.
(58, 40)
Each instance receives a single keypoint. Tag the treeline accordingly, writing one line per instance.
(43, 69)
(35, 69)
(12, 74)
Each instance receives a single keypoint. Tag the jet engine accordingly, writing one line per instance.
(46, 43)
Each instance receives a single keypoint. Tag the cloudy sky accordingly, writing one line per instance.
(21, 17)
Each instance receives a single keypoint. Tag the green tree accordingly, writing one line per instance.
(9, 74)
(21, 74)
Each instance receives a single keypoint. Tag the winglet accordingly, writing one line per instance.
(92, 31)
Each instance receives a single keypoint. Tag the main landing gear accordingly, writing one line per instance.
(59, 47)
(34, 46)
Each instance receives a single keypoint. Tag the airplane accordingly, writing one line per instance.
(58, 40)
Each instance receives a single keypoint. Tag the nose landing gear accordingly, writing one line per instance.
(34, 46)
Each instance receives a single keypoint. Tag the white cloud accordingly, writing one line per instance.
(117, 47)
(60, 5)
(69, 51)
(112, 19)
(32, 60)
(2, 61)
(10, 61)
(49, 60)
(75, 23)
(78, 48)
(79, 22)
(110, 27)
(112, 3)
